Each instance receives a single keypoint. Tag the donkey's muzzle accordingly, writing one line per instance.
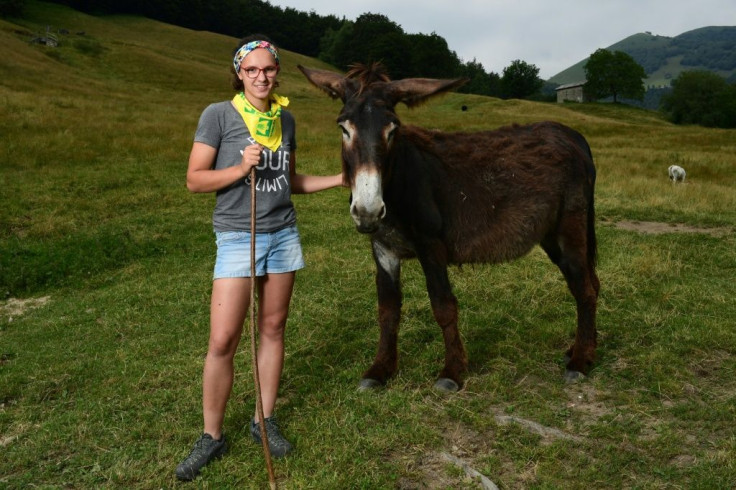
(367, 207)
(367, 219)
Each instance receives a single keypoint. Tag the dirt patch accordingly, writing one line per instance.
(16, 307)
(456, 465)
(656, 228)
(583, 399)
(6, 440)
(451, 468)
(549, 434)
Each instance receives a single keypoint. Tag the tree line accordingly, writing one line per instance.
(338, 41)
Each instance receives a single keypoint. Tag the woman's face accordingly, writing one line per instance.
(262, 67)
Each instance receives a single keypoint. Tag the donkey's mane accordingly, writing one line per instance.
(368, 74)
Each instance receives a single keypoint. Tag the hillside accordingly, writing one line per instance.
(664, 58)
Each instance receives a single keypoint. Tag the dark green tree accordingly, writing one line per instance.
(393, 50)
(299, 31)
(479, 82)
(371, 38)
(520, 80)
(701, 97)
(431, 57)
(614, 74)
(371, 41)
(335, 48)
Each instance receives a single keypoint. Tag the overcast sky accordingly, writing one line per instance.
(551, 34)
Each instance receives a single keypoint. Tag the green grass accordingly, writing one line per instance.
(100, 385)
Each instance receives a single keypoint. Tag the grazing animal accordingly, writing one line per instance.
(677, 173)
(455, 198)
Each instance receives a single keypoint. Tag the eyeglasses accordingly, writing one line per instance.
(254, 72)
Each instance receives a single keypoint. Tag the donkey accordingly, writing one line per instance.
(456, 198)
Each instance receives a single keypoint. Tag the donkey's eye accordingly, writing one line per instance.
(347, 130)
(390, 131)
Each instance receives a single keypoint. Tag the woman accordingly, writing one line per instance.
(252, 130)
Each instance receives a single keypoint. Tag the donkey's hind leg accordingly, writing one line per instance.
(570, 252)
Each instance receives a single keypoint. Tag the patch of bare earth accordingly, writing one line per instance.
(14, 307)
(584, 401)
(656, 228)
(452, 467)
(457, 465)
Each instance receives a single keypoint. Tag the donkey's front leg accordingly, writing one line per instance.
(444, 307)
(388, 286)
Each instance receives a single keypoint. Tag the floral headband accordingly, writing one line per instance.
(247, 48)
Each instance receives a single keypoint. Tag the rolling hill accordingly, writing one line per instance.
(664, 58)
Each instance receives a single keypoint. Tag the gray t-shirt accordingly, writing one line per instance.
(222, 127)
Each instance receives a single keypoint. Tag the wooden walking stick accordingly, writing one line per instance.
(254, 358)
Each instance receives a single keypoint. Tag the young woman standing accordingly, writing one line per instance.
(252, 130)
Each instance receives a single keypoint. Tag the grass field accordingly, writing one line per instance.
(105, 267)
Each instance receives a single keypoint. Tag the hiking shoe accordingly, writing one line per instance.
(205, 450)
(279, 446)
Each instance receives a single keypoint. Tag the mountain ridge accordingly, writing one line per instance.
(663, 58)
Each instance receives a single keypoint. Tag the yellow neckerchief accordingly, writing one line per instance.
(265, 127)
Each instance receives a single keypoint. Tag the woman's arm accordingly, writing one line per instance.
(202, 177)
(307, 184)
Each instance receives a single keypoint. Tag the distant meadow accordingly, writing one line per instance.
(105, 275)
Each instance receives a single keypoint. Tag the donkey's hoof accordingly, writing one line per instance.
(446, 385)
(369, 384)
(573, 376)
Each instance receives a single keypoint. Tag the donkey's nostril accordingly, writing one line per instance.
(383, 210)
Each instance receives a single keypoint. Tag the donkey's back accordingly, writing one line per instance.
(499, 192)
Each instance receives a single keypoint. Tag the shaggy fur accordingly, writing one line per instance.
(465, 197)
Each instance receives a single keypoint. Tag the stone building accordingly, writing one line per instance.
(572, 92)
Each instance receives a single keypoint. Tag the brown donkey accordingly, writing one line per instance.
(456, 198)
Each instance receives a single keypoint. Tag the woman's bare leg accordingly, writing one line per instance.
(229, 305)
(274, 297)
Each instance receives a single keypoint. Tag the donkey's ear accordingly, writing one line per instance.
(415, 91)
(336, 85)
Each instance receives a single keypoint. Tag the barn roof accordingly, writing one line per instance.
(571, 85)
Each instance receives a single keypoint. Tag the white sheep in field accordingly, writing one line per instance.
(677, 173)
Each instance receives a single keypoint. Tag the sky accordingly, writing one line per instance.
(550, 34)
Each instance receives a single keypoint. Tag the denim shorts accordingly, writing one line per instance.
(276, 253)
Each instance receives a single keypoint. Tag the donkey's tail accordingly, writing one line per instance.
(590, 198)
(586, 157)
